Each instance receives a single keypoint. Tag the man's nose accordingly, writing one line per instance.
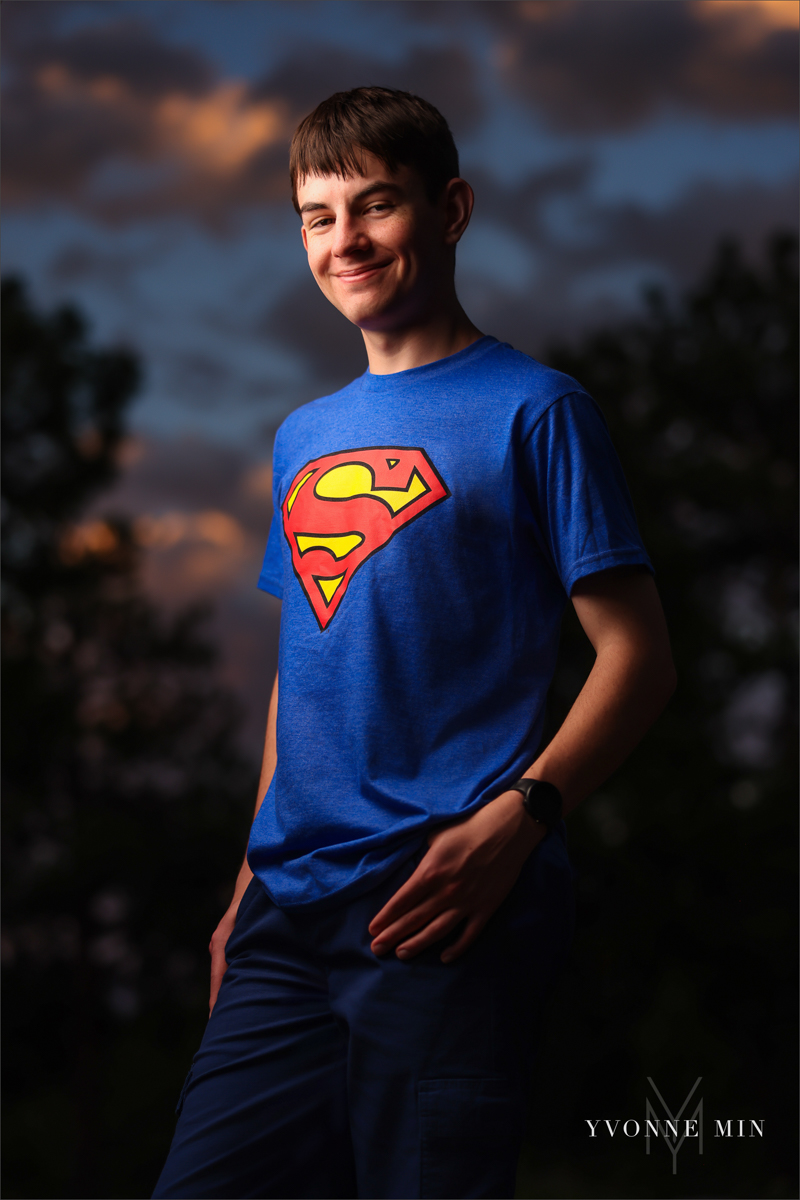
(349, 236)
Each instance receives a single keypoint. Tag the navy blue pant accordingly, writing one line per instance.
(327, 1072)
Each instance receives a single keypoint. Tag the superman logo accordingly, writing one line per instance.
(342, 508)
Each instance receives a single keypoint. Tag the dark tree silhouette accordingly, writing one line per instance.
(685, 959)
(125, 799)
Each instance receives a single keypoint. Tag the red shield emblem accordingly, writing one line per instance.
(342, 508)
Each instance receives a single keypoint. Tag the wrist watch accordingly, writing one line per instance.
(541, 801)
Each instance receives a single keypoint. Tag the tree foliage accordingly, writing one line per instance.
(125, 798)
(685, 958)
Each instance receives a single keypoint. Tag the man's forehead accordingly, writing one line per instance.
(325, 188)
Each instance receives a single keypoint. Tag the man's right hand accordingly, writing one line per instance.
(216, 948)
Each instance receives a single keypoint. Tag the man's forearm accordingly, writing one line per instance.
(631, 681)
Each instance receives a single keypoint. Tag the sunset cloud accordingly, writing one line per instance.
(218, 132)
(89, 119)
(594, 65)
(212, 527)
(748, 22)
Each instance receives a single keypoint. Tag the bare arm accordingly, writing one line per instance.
(223, 931)
(632, 679)
(472, 864)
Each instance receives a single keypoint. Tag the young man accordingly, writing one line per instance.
(378, 980)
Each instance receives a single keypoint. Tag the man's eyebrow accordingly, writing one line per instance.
(381, 185)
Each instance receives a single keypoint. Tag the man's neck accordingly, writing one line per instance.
(438, 337)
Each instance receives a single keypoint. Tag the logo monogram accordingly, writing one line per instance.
(342, 508)
(670, 1128)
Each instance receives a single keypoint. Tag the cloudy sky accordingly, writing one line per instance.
(610, 144)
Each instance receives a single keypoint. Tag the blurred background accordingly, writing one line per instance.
(635, 169)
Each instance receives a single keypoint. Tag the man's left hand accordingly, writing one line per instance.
(467, 872)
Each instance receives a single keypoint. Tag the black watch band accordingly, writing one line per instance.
(541, 801)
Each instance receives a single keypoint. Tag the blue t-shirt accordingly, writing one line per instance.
(429, 526)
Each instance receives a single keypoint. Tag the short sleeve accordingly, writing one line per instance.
(580, 500)
(271, 577)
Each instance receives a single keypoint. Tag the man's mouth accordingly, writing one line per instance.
(363, 272)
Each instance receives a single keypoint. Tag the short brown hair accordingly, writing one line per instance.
(398, 128)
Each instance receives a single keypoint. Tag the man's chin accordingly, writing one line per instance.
(369, 309)
(376, 314)
(368, 317)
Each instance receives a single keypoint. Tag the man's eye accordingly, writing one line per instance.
(380, 206)
(321, 221)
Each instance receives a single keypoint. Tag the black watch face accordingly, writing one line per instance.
(544, 802)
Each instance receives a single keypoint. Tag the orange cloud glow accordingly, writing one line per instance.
(748, 22)
(217, 133)
(92, 537)
(193, 554)
(212, 527)
(759, 16)
(222, 131)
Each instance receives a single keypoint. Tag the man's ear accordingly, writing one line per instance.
(458, 200)
(305, 238)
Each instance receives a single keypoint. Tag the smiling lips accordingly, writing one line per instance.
(361, 272)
